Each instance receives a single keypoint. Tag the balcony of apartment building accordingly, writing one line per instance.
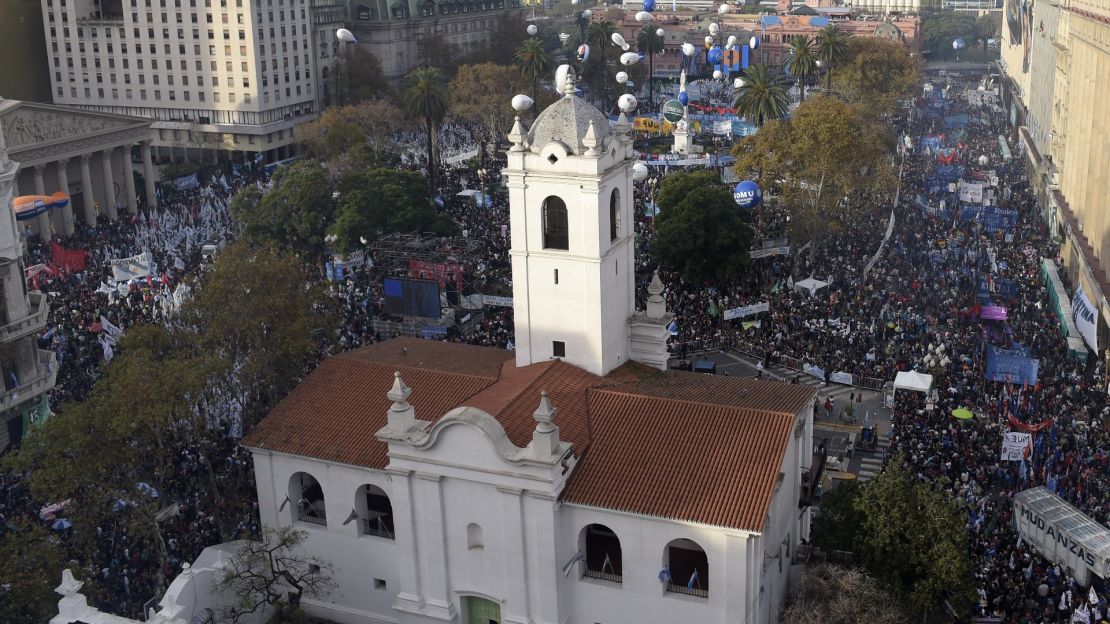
(20, 386)
(34, 321)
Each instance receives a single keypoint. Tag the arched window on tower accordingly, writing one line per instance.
(688, 568)
(603, 553)
(555, 234)
(308, 499)
(614, 215)
(375, 511)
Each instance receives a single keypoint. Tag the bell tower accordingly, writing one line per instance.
(572, 242)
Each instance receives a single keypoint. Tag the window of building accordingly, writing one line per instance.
(375, 512)
(614, 215)
(603, 553)
(558, 348)
(307, 499)
(688, 567)
(555, 234)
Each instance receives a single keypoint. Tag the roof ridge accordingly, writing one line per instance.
(615, 390)
(345, 355)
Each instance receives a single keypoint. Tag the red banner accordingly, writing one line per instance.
(68, 260)
(442, 272)
(1027, 427)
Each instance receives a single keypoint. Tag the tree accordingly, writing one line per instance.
(380, 201)
(826, 151)
(877, 74)
(532, 59)
(482, 95)
(293, 214)
(700, 231)
(255, 314)
(364, 76)
(762, 96)
(647, 42)
(599, 35)
(987, 27)
(426, 97)
(914, 540)
(436, 50)
(942, 28)
(831, 593)
(831, 48)
(340, 128)
(31, 563)
(840, 524)
(802, 62)
(273, 572)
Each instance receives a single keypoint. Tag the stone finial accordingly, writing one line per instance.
(656, 305)
(545, 439)
(517, 136)
(591, 141)
(568, 86)
(69, 586)
(622, 125)
(401, 415)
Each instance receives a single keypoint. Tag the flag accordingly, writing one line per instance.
(1092, 597)
(693, 580)
(665, 575)
(608, 563)
(673, 328)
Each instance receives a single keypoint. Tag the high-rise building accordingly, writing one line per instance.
(27, 371)
(219, 78)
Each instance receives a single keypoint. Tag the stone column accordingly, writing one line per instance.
(63, 186)
(109, 185)
(87, 191)
(44, 218)
(129, 181)
(148, 176)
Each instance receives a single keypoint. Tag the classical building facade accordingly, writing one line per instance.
(227, 79)
(27, 371)
(90, 156)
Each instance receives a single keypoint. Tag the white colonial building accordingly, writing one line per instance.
(568, 483)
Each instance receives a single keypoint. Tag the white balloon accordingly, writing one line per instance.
(644, 16)
(522, 102)
(736, 84)
(345, 36)
(622, 77)
(708, 41)
(564, 37)
(688, 49)
(722, 9)
(565, 74)
(659, 32)
(532, 30)
(731, 42)
(717, 74)
(753, 43)
(587, 13)
(630, 58)
(627, 103)
(639, 172)
(714, 29)
(618, 40)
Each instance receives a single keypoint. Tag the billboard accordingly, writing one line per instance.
(406, 297)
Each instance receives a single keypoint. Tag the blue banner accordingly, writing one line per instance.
(930, 142)
(950, 173)
(1011, 365)
(992, 218)
(935, 185)
(958, 120)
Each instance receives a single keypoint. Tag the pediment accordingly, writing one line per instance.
(28, 125)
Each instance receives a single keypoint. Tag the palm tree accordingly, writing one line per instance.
(831, 48)
(802, 63)
(599, 37)
(533, 60)
(426, 96)
(648, 41)
(762, 96)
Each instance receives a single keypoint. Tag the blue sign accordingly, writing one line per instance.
(747, 194)
(1011, 365)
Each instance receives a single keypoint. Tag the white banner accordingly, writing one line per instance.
(1014, 444)
(841, 377)
(1086, 318)
(971, 193)
(127, 269)
(746, 311)
(356, 258)
(497, 302)
(756, 254)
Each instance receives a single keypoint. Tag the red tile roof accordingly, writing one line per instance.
(677, 445)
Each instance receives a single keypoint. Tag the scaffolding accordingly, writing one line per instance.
(393, 254)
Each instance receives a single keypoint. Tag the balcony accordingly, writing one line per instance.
(38, 310)
(375, 527)
(42, 380)
(682, 589)
(603, 576)
(312, 516)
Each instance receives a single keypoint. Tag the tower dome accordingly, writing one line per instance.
(567, 121)
(888, 30)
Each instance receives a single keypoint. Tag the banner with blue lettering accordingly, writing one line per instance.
(949, 173)
(992, 218)
(1011, 365)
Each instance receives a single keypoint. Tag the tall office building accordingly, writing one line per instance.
(219, 78)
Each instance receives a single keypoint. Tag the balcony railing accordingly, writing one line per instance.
(38, 311)
(374, 527)
(604, 576)
(41, 380)
(682, 589)
(311, 516)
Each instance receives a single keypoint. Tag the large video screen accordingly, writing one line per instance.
(409, 297)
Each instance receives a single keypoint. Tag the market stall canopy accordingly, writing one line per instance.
(913, 380)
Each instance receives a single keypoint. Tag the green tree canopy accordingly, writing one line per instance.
(426, 97)
(293, 214)
(364, 78)
(382, 201)
(841, 523)
(876, 74)
(802, 62)
(943, 27)
(763, 95)
(831, 47)
(533, 61)
(700, 231)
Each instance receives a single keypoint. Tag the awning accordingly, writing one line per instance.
(913, 380)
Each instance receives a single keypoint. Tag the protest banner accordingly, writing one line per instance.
(127, 269)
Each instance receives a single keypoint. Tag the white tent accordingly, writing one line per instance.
(809, 285)
(914, 381)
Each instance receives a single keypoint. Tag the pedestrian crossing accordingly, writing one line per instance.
(871, 462)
